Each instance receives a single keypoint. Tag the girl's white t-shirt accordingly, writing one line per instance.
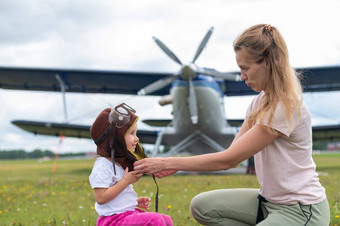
(285, 168)
(102, 176)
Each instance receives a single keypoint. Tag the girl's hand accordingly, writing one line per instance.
(143, 202)
(132, 176)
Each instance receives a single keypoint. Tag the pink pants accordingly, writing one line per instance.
(137, 217)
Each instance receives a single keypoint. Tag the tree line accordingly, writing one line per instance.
(37, 153)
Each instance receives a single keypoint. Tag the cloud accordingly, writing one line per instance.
(12, 137)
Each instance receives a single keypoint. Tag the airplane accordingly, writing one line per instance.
(196, 94)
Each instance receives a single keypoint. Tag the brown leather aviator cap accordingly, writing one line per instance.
(108, 131)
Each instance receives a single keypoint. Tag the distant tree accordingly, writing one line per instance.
(13, 154)
(20, 154)
(48, 153)
(73, 154)
(319, 145)
(37, 153)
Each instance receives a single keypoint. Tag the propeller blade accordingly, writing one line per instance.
(167, 50)
(157, 85)
(230, 76)
(203, 44)
(192, 102)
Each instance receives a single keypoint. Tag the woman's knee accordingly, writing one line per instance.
(198, 207)
(196, 203)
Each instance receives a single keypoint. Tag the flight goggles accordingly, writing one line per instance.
(121, 115)
(118, 117)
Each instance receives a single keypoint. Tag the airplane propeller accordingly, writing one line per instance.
(203, 44)
(167, 50)
(187, 72)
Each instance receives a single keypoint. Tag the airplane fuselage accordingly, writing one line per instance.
(211, 115)
(211, 133)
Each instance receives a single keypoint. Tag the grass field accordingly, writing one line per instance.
(31, 194)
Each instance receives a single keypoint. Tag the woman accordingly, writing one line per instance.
(277, 130)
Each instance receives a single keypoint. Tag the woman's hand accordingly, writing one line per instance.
(165, 173)
(149, 165)
(143, 202)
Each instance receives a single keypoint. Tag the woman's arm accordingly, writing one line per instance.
(245, 146)
(244, 128)
(104, 195)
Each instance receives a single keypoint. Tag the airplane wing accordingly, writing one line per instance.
(314, 79)
(157, 122)
(73, 130)
(326, 133)
(320, 133)
(83, 81)
(124, 82)
(54, 129)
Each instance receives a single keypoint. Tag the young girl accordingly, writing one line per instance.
(114, 132)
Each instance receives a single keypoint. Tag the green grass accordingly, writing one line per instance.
(31, 194)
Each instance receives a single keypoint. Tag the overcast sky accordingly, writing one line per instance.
(117, 35)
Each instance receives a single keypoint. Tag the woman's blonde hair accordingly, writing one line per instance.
(264, 42)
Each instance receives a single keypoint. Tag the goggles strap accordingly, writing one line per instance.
(103, 136)
(112, 138)
(156, 200)
(113, 160)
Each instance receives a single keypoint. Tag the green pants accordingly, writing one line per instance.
(239, 207)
